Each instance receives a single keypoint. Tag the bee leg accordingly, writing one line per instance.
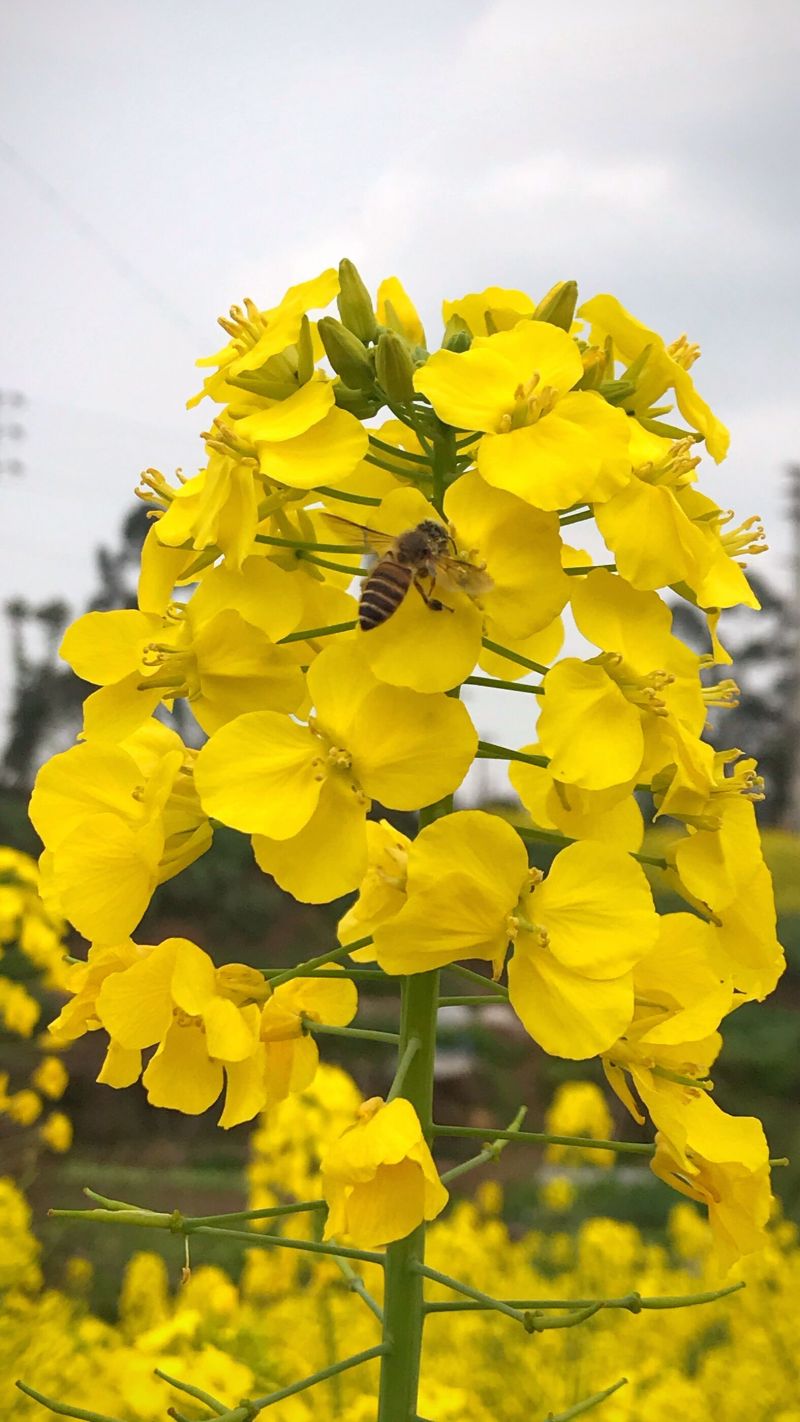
(434, 604)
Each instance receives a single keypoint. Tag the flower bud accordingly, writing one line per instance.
(558, 306)
(356, 402)
(394, 367)
(457, 335)
(347, 354)
(305, 352)
(353, 301)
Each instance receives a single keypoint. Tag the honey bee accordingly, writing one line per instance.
(410, 559)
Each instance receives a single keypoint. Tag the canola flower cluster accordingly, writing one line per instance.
(464, 466)
(31, 956)
(734, 1360)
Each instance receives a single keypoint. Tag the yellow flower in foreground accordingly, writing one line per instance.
(175, 998)
(379, 1178)
(576, 935)
(306, 439)
(550, 444)
(382, 891)
(722, 1162)
(116, 820)
(291, 1053)
(666, 368)
(304, 791)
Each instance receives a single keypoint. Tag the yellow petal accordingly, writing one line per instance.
(597, 907)
(135, 1006)
(288, 418)
(180, 1076)
(472, 390)
(423, 750)
(104, 874)
(505, 306)
(114, 712)
(262, 593)
(122, 1066)
(575, 454)
(104, 647)
(328, 857)
(653, 542)
(245, 1094)
(327, 453)
(589, 729)
(194, 979)
(392, 290)
(567, 1014)
(256, 774)
(229, 1038)
(389, 1207)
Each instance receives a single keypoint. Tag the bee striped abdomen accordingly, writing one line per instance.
(382, 593)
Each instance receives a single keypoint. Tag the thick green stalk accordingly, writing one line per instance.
(403, 1309)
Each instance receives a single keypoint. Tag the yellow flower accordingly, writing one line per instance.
(217, 650)
(559, 1193)
(173, 997)
(260, 336)
(551, 445)
(215, 509)
(723, 1162)
(503, 306)
(19, 1012)
(56, 1132)
(304, 791)
(613, 720)
(116, 821)
(379, 1178)
(382, 890)
(470, 893)
(579, 1108)
(24, 1107)
(611, 816)
(291, 1053)
(505, 580)
(666, 367)
(397, 311)
(50, 1078)
(305, 439)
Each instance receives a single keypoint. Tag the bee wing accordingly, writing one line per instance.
(372, 539)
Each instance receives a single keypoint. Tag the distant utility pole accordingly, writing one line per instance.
(12, 429)
(793, 719)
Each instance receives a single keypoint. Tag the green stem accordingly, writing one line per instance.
(473, 999)
(555, 837)
(474, 977)
(309, 1246)
(398, 453)
(356, 1285)
(269, 1213)
(275, 542)
(62, 1408)
(415, 473)
(514, 657)
(334, 567)
(488, 751)
(403, 1295)
(366, 1034)
(576, 517)
(396, 1088)
(593, 568)
(497, 684)
(633, 1302)
(197, 1393)
(322, 1376)
(543, 1138)
(587, 1404)
(490, 1152)
(346, 497)
(308, 632)
(477, 1295)
(359, 975)
(333, 956)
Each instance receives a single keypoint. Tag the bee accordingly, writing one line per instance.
(410, 559)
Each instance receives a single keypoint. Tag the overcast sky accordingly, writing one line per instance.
(159, 161)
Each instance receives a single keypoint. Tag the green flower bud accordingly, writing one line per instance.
(394, 367)
(558, 306)
(457, 335)
(305, 352)
(347, 354)
(354, 303)
(358, 403)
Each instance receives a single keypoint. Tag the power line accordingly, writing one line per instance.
(85, 229)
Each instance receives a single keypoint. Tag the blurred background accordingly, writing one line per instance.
(161, 162)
